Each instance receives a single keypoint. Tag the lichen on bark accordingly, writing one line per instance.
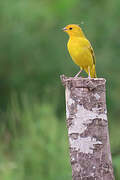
(87, 125)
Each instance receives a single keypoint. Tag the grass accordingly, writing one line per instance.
(34, 144)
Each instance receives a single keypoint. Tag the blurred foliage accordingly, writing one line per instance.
(32, 56)
(33, 143)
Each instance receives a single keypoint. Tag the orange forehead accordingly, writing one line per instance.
(72, 26)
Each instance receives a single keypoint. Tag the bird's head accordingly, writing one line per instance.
(73, 30)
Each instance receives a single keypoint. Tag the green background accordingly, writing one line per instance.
(33, 54)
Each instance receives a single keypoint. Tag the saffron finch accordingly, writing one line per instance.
(80, 50)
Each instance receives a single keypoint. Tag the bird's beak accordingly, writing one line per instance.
(64, 29)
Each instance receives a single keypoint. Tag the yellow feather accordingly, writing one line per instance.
(80, 49)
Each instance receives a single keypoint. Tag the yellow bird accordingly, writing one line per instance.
(80, 50)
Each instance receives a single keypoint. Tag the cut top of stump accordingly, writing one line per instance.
(79, 82)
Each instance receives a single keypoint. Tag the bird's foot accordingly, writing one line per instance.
(76, 77)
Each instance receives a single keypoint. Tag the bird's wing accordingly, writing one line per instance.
(91, 50)
(86, 44)
(93, 54)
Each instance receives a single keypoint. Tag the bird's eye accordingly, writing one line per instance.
(70, 28)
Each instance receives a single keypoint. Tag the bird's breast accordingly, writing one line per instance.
(79, 53)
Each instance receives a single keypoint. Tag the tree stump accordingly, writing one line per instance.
(87, 125)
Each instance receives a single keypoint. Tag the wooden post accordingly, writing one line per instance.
(88, 128)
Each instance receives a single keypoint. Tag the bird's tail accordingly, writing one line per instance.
(93, 72)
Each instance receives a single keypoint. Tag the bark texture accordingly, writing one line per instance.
(88, 129)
